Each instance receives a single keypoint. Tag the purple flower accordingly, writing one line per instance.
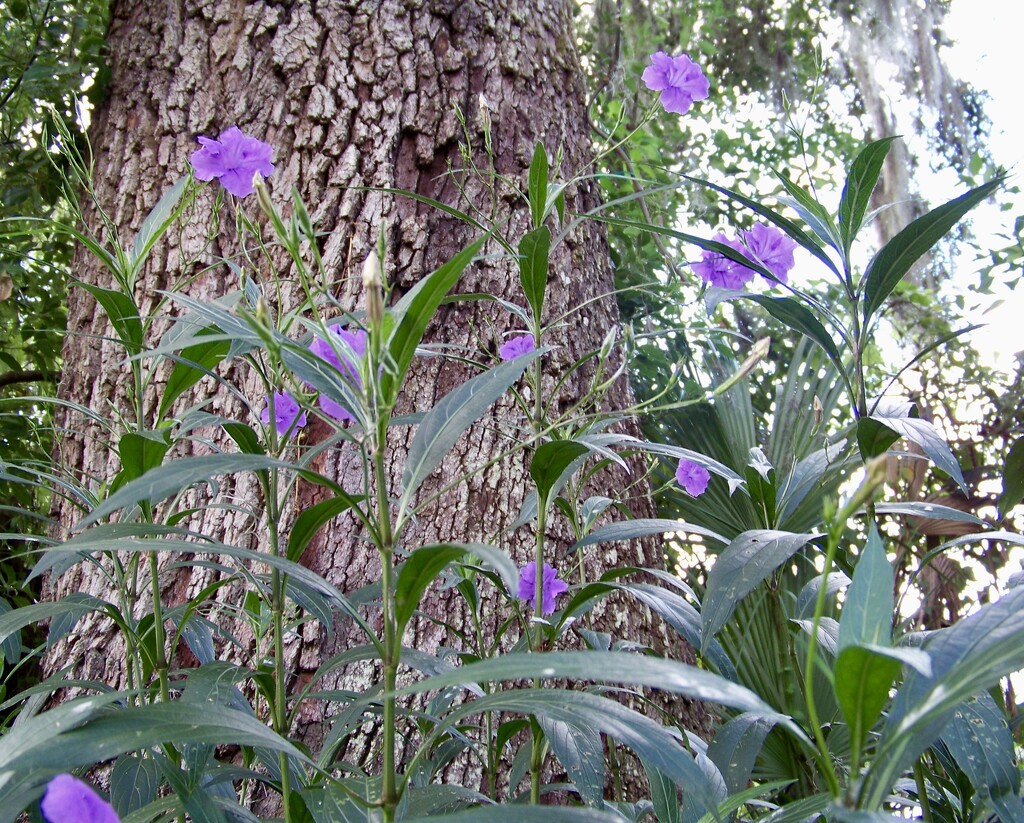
(351, 347)
(552, 586)
(719, 270)
(235, 158)
(771, 248)
(288, 414)
(69, 800)
(516, 347)
(679, 80)
(693, 477)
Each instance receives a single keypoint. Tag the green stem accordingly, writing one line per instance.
(864, 494)
(278, 586)
(392, 640)
(537, 755)
(922, 792)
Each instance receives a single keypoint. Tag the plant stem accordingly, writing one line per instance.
(278, 583)
(392, 640)
(536, 755)
(922, 792)
(864, 493)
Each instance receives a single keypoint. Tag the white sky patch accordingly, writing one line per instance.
(986, 53)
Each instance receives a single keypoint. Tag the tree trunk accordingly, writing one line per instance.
(350, 95)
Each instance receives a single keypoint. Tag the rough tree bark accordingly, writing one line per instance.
(349, 94)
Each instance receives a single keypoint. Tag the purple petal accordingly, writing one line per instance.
(516, 347)
(693, 477)
(551, 587)
(69, 800)
(677, 101)
(234, 158)
(335, 410)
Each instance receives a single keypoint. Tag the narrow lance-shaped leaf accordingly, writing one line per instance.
(860, 183)
(967, 657)
(163, 214)
(123, 315)
(799, 318)
(170, 478)
(980, 742)
(867, 611)
(454, 414)
(814, 214)
(896, 258)
(925, 435)
(538, 185)
(550, 460)
(194, 363)
(414, 311)
(610, 667)
(533, 267)
(1013, 478)
(416, 574)
(743, 564)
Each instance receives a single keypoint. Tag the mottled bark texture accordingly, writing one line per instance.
(351, 94)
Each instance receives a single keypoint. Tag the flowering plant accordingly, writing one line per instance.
(217, 697)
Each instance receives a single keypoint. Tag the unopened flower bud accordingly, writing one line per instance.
(263, 312)
(374, 287)
(262, 193)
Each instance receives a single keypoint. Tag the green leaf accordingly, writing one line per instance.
(813, 214)
(454, 414)
(860, 183)
(592, 715)
(310, 520)
(74, 606)
(874, 437)
(538, 188)
(163, 214)
(550, 460)
(133, 783)
(414, 311)
(133, 728)
(193, 364)
(894, 260)
(684, 618)
(142, 451)
(416, 574)
(1013, 478)
(896, 417)
(580, 750)
(664, 796)
(88, 543)
(123, 315)
(526, 814)
(170, 478)
(742, 565)
(533, 267)
(42, 730)
(736, 747)
(643, 527)
(931, 511)
(245, 438)
(979, 740)
(869, 605)
(609, 667)
(969, 656)
(800, 318)
(862, 682)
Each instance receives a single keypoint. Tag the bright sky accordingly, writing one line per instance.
(987, 55)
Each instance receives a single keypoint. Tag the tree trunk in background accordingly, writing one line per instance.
(350, 94)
